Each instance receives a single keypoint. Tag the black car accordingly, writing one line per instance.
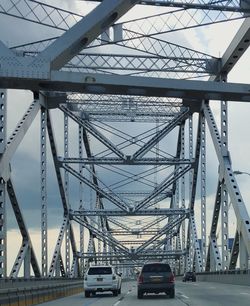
(189, 276)
(155, 278)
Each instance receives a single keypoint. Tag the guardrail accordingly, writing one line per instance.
(25, 292)
(235, 277)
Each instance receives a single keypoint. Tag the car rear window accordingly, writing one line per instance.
(156, 268)
(99, 270)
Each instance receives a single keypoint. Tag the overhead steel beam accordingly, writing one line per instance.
(141, 212)
(128, 85)
(133, 256)
(84, 32)
(185, 4)
(126, 161)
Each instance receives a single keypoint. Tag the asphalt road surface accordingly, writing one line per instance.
(187, 294)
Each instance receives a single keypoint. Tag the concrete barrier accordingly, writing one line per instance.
(226, 277)
(234, 277)
(31, 294)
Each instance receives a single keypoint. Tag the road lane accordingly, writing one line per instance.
(187, 294)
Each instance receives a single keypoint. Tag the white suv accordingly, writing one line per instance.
(102, 278)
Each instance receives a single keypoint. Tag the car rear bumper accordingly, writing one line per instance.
(94, 288)
(189, 279)
(156, 288)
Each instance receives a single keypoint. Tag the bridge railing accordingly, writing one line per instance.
(28, 292)
(236, 277)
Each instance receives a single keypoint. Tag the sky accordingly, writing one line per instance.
(27, 183)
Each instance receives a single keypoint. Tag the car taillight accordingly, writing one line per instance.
(140, 279)
(114, 277)
(172, 278)
(85, 278)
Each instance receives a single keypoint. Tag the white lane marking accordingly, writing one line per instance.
(246, 293)
(186, 297)
(211, 288)
(118, 302)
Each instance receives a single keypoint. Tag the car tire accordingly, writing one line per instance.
(115, 292)
(119, 291)
(172, 294)
(87, 294)
(139, 294)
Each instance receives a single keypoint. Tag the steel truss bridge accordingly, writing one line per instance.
(123, 102)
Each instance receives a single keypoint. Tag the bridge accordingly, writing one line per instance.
(115, 142)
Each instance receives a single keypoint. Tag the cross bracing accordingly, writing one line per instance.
(134, 94)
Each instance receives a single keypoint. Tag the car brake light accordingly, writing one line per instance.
(114, 277)
(140, 279)
(85, 278)
(172, 278)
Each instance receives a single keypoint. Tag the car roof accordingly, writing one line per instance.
(156, 263)
(101, 266)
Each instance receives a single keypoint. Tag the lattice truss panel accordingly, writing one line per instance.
(123, 91)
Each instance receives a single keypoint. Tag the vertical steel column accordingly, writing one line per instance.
(244, 256)
(203, 191)
(224, 192)
(26, 263)
(183, 204)
(43, 175)
(176, 240)
(98, 206)
(3, 225)
(81, 201)
(190, 254)
(66, 182)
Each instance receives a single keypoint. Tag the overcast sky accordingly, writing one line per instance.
(212, 40)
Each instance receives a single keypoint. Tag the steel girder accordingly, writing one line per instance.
(160, 135)
(112, 198)
(102, 236)
(93, 84)
(230, 181)
(81, 34)
(89, 128)
(163, 185)
(213, 255)
(142, 256)
(26, 254)
(230, 5)
(125, 85)
(16, 138)
(119, 213)
(126, 161)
